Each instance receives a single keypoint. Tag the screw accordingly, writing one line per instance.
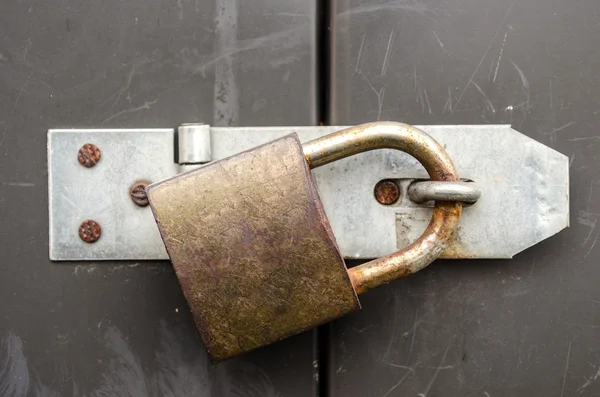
(138, 193)
(90, 231)
(387, 192)
(88, 155)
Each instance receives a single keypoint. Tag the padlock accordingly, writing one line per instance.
(252, 247)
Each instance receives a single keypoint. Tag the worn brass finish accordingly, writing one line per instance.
(439, 166)
(252, 248)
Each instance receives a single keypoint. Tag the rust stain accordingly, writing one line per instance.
(439, 166)
(138, 195)
(89, 155)
(387, 192)
(457, 249)
(90, 231)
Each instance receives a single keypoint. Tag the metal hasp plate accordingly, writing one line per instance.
(524, 184)
(253, 226)
(102, 192)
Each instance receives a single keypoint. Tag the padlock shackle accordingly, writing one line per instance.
(439, 166)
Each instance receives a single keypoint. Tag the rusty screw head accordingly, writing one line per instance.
(89, 155)
(90, 231)
(138, 193)
(387, 192)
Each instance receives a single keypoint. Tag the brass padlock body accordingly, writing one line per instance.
(252, 248)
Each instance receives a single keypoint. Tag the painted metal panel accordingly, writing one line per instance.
(123, 328)
(522, 327)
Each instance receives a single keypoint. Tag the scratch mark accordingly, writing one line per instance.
(594, 301)
(448, 105)
(586, 384)
(566, 370)
(360, 331)
(387, 53)
(524, 81)
(585, 217)
(437, 371)
(176, 240)
(583, 138)
(412, 341)
(27, 48)
(486, 394)
(592, 183)
(396, 385)
(70, 202)
(282, 36)
(488, 102)
(593, 244)
(415, 75)
(421, 100)
(178, 374)
(380, 95)
(390, 6)
(146, 105)
(124, 375)
(551, 99)
(500, 57)
(413, 329)
(400, 366)
(511, 107)
(564, 126)
(288, 14)
(484, 54)
(12, 111)
(491, 70)
(120, 92)
(427, 100)
(380, 100)
(587, 221)
(360, 51)
(14, 371)
(589, 381)
(439, 41)
(572, 159)
(18, 184)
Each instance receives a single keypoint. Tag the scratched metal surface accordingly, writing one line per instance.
(521, 327)
(123, 329)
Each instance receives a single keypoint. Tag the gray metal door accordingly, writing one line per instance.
(123, 329)
(521, 327)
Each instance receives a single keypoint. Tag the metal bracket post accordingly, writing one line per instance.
(374, 209)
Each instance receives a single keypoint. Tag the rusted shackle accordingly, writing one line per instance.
(252, 247)
(437, 163)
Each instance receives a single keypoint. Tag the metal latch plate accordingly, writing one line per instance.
(101, 193)
(525, 190)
